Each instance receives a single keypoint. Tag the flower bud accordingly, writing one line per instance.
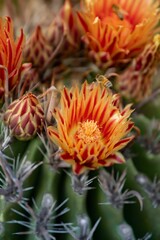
(37, 50)
(25, 117)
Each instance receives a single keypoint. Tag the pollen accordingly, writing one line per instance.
(88, 132)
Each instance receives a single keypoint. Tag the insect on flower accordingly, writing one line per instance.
(101, 79)
(116, 31)
(119, 11)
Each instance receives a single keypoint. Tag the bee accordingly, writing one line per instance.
(119, 11)
(103, 80)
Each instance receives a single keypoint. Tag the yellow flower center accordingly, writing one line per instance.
(88, 132)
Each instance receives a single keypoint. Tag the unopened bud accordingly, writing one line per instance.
(37, 50)
(25, 117)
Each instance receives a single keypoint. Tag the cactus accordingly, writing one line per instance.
(80, 121)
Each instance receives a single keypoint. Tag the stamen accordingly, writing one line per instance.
(88, 131)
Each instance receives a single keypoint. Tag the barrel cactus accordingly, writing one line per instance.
(80, 120)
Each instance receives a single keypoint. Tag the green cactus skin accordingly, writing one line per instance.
(151, 109)
(76, 204)
(145, 161)
(18, 148)
(45, 180)
(142, 122)
(33, 155)
(111, 217)
(143, 221)
(48, 183)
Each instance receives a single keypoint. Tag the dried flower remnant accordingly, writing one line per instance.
(112, 30)
(136, 82)
(50, 99)
(10, 57)
(91, 127)
(25, 117)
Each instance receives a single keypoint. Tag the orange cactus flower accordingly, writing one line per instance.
(10, 56)
(137, 80)
(91, 127)
(117, 30)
